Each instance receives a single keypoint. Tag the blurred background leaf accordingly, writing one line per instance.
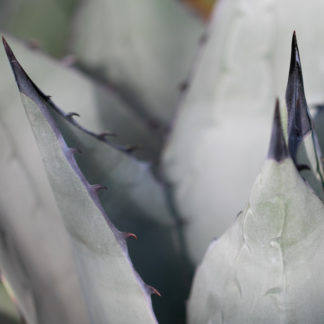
(8, 310)
(203, 7)
(44, 23)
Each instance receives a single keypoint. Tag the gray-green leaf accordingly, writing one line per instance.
(267, 267)
(99, 250)
(145, 49)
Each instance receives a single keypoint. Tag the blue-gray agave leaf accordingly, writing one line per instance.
(28, 218)
(104, 271)
(100, 108)
(267, 266)
(135, 202)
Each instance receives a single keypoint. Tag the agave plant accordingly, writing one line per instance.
(110, 125)
(267, 262)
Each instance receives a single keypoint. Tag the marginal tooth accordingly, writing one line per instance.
(71, 115)
(278, 148)
(33, 44)
(106, 134)
(69, 60)
(97, 187)
(128, 235)
(151, 290)
(74, 150)
(131, 148)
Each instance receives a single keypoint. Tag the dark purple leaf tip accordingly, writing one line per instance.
(299, 123)
(278, 148)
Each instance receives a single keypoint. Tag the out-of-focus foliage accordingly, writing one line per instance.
(8, 310)
(44, 23)
(144, 48)
(203, 7)
(151, 68)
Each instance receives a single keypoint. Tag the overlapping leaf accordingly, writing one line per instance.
(135, 200)
(145, 50)
(218, 141)
(99, 249)
(267, 267)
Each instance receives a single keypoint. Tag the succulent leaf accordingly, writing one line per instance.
(220, 135)
(100, 108)
(266, 267)
(48, 29)
(145, 50)
(99, 249)
(135, 202)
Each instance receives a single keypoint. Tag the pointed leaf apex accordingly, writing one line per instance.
(298, 117)
(7, 48)
(25, 84)
(295, 58)
(278, 148)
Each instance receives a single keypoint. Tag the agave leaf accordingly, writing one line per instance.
(47, 29)
(34, 249)
(278, 240)
(145, 49)
(99, 249)
(219, 137)
(135, 202)
(100, 109)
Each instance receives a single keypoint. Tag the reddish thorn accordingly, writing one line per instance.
(97, 187)
(132, 148)
(74, 150)
(132, 235)
(105, 134)
(69, 60)
(154, 291)
(33, 44)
